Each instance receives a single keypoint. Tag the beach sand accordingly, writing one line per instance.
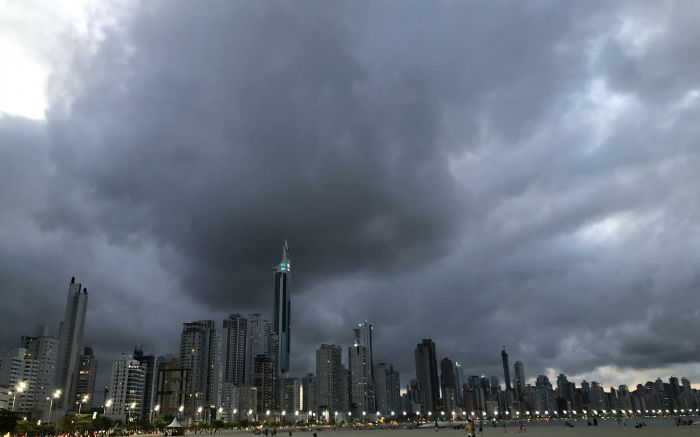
(532, 431)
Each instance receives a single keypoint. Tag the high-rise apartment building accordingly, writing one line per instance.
(85, 384)
(448, 384)
(506, 368)
(200, 352)
(20, 374)
(174, 388)
(387, 388)
(291, 394)
(126, 390)
(230, 401)
(427, 376)
(258, 342)
(520, 381)
(329, 384)
(150, 384)
(263, 381)
(459, 382)
(43, 349)
(70, 343)
(309, 390)
(235, 334)
(361, 369)
(282, 311)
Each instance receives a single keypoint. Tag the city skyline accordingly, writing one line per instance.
(211, 378)
(475, 173)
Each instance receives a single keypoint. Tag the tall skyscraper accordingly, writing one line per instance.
(235, 335)
(126, 389)
(506, 367)
(282, 310)
(448, 384)
(520, 381)
(258, 342)
(361, 369)
(427, 376)
(328, 382)
(87, 372)
(362, 334)
(70, 343)
(459, 380)
(200, 352)
(150, 382)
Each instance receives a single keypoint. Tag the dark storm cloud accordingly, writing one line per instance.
(479, 173)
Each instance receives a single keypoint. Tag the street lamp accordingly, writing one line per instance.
(156, 409)
(82, 401)
(19, 388)
(108, 404)
(56, 394)
(132, 406)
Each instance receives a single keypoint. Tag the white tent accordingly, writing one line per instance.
(175, 424)
(175, 428)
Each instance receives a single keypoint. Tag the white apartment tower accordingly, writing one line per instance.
(126, 389)
(43, 349)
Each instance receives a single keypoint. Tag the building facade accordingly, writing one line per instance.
(200, 352)
(126, 390)
(427, 376)
(328, 381)
(70, 344)
(387, 388)
(235, 334)
(150, 386)
(85, 384)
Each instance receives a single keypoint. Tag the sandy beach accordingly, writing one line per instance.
(533, 431)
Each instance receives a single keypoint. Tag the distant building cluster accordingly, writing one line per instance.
(482, 396)
(238, 370)
(49, 375)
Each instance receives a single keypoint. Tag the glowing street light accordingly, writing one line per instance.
(56, 394)
(19, 388)
(82, 401)
(155, 410)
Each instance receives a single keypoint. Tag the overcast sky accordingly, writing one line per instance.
(482, 173)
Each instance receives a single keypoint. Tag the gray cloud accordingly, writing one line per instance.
(479, 173)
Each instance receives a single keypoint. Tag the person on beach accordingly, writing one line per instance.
(469, 428)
